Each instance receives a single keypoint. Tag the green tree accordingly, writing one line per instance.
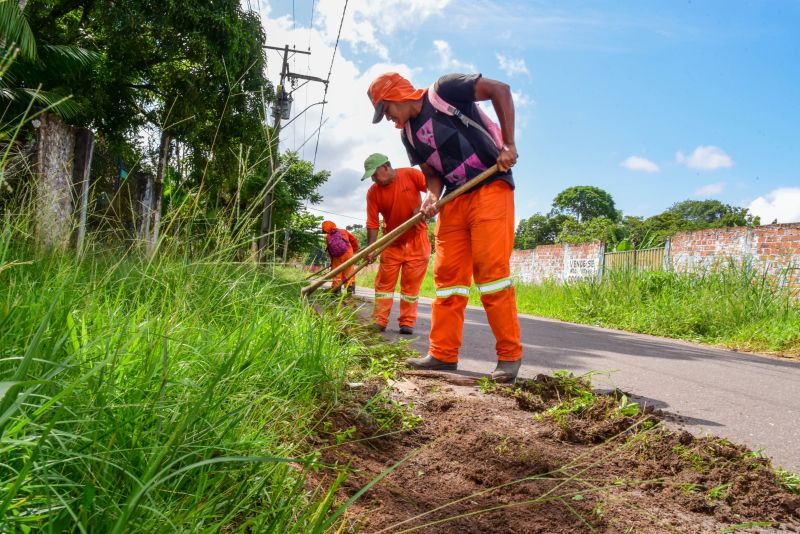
(710, 213)
(585, 202)
(538, 230)
(48, 65)
(298, 184)
(596, 229)
(360, 232)
(304, 234)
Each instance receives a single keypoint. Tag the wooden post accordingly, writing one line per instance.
(84, 151)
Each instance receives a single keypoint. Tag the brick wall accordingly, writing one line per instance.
(775, 248)
(557, 262)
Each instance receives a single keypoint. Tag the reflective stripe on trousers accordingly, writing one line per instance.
(407, 261)
(474, 239)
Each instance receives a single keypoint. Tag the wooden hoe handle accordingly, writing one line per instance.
(397, 232)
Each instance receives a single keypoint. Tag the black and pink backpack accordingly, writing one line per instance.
(338, 245)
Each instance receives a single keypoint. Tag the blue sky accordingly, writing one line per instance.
(655, 102)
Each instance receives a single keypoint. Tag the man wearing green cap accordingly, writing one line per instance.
(395, 195)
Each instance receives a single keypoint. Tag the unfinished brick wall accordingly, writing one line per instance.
(775, 248)
(557, 262)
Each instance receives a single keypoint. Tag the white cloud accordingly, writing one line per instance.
(446, 60)
(782, 204)
(636, 163)
(521, 100)
(706, 158)
(348, 136)
(512, 66)
(366, 22)
(710, 190)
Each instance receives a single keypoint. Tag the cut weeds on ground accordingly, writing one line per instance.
(546, 455)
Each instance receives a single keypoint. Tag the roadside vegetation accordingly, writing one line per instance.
(146, 393)
(140, 395)
(736, 307)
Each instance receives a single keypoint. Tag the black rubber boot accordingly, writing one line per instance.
(506, 372)
(429, 363)
(406, 330)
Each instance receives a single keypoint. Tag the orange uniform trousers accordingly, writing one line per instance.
(339, 279)
(474, 238)
(409, 260)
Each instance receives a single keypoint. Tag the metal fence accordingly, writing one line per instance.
(645, 259)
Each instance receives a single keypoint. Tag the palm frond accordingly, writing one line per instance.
(67, 58)
(60, 104)
(15, 30)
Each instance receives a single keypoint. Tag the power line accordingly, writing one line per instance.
(330, 70)
(308, 69)
(337, 214)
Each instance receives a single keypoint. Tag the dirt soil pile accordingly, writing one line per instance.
(545, 456)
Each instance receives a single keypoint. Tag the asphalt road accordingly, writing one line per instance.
(749, 399)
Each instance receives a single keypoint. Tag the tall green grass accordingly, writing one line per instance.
(158, 394)
(736, 306)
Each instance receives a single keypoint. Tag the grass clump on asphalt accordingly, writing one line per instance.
(144, 395)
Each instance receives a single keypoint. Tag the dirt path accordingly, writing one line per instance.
(485, 463)
(746, 398)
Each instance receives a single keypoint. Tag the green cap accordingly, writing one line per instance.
(372, 163)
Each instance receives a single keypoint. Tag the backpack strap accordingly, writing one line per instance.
(409, 136)
(441, 105)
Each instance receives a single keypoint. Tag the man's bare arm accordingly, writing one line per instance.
(372, 236)
(435, 186)
(500, 95)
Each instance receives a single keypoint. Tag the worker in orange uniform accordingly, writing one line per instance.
(451, 139)
(395, 194)
(341, 246)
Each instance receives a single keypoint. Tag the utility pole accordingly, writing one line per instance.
(280, 111)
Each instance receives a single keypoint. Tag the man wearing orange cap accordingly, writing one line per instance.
(449, 137)
(341, 246)
(395, 194)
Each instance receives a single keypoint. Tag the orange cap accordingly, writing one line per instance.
(327, 226)
(393, 87)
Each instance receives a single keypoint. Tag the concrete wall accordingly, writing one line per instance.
(55, 150)
(557, 262)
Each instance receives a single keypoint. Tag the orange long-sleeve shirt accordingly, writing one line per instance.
(396, 202)
(350, 237)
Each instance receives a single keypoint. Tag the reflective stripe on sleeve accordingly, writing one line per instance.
(444, 292)
(494, 287)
